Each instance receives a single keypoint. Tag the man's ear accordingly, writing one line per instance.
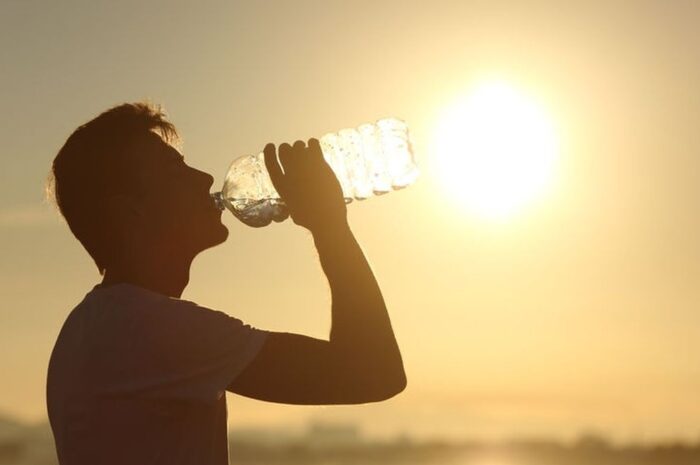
(122, 209)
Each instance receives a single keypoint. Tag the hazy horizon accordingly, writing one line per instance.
(580, 313)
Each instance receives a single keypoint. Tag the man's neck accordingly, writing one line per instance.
(168, 278)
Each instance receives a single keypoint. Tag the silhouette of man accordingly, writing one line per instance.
(138, 375)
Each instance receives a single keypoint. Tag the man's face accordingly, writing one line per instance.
(176, 209)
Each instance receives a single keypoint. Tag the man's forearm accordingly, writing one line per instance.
(360, 321)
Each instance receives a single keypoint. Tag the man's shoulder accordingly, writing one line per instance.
(126, 317)
(108, 312)
(134, 305)
(129, 300)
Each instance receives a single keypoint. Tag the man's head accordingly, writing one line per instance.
(123, 189)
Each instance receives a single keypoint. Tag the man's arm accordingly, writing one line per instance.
(361, 362)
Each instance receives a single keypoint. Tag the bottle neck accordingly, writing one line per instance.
(219, 200)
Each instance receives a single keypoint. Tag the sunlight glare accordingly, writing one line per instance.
(495, 150)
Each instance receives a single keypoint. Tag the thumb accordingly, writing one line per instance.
(273, 168)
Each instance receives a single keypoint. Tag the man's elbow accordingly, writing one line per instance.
(398, 386)
(389, 388)
(374, 382)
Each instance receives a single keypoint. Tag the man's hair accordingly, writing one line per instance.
(94, 164)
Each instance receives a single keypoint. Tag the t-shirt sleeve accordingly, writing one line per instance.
(183, 351)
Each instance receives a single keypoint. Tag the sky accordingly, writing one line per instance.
(580, 313)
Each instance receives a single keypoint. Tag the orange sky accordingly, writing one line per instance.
(581, 313)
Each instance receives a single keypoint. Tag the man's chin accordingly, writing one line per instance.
(217, 235)
(221, 234)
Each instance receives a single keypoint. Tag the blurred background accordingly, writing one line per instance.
(544, 290)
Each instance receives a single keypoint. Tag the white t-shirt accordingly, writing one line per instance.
(137, 377)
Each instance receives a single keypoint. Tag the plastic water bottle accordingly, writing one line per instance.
(372, 159)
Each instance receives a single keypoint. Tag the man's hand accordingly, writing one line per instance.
(307, 186)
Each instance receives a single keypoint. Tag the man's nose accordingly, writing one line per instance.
(210, 180)
(206, 179)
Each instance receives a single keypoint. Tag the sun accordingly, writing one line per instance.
(495, 150)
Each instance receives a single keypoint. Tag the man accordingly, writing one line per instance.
(138, 375)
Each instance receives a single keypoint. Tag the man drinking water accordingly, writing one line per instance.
(138, 375)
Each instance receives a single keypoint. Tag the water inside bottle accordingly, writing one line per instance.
(257, 212)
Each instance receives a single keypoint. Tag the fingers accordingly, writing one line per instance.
(315, 148)
(286, 156)
(294, 158)
(273, 167)
(291, 158)
(301, 156)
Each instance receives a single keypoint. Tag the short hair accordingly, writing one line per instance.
(93, 164)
